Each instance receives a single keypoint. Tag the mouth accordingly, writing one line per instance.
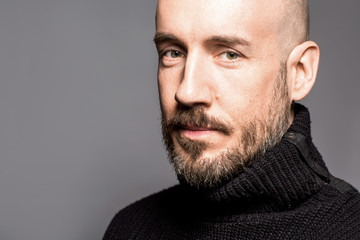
(195, 132)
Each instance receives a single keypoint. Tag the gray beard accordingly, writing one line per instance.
(256, 138)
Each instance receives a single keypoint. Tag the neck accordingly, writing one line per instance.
(279, 180)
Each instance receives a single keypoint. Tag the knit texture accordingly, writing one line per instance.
(277, 197)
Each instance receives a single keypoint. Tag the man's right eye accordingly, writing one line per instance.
(173, 54)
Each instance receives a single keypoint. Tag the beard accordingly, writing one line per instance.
(257, 136)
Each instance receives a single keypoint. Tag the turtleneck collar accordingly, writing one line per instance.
(279, 180)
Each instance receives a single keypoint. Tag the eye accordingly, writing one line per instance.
(173, 54)
(229, 56)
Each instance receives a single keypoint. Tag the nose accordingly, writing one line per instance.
(195, 87)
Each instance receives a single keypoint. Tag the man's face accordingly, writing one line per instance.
(222, 87)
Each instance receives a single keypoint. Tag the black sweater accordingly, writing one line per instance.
(287, 194)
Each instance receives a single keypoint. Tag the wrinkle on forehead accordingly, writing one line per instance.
(283, 19)
(235, 16)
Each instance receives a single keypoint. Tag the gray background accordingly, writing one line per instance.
(79, 116)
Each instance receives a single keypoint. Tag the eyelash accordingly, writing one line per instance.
(237, 56)
(163, 53)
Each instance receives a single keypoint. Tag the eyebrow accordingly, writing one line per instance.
(164, 37)
(225, 39)
(232, 40)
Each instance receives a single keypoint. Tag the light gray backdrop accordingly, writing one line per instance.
(79, 115)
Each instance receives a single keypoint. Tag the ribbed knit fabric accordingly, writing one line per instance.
(278, 197)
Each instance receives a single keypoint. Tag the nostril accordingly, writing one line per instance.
(176, 98)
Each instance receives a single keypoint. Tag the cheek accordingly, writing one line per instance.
(167, 83)
(238, 87)
(245, 92)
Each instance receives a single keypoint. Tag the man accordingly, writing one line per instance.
(229, 75)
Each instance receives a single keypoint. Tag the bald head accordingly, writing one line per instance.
(294, 24)
(241, 62)
(298, 13)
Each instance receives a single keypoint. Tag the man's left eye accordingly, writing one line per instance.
(230, 55)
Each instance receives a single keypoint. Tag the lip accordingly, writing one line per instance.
(196, 128)
(195, 132)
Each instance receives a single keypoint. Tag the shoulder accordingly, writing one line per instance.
(345, 195)
(131, 219)
(153, 201)
(338, 211)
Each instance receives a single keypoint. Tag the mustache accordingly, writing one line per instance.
(198, 117)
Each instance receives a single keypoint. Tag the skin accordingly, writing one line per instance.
(225, 56)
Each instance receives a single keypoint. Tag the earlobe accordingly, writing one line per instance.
(303, 63)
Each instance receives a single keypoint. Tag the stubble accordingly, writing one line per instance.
(257, 136)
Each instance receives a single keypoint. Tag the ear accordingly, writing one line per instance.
(303, 63)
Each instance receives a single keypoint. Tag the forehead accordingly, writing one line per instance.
(197, 19)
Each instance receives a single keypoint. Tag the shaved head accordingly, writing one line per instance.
(300, 11)
(294, 23)
(226, 74)
(294, 26)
